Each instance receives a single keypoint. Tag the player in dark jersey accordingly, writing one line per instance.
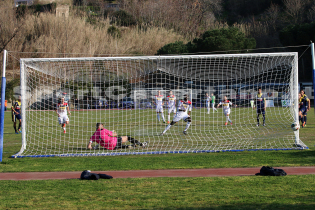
(307, 104)
(303, 102)
(16, 108)
(260, 103)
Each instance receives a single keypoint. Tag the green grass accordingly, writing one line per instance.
(248, 192)
(207, 131)
(12, 144)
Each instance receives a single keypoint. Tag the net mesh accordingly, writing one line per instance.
(119, 92)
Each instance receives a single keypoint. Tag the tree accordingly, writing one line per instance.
(9, 25)
(299, 34)
(223, 39)
(122, 18)
(173, 48)
(294, 9)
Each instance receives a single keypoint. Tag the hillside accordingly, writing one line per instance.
(139, 27)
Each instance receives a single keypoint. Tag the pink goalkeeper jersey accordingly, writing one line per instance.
(102, 137)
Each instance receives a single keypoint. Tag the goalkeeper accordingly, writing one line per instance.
(110, 140)
(261, 106)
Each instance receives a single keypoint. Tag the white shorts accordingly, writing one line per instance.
(180, 116)
(159, 108)
(226, 111)
(63, 119)
(172, 109)
(207, 105)
(212, 105)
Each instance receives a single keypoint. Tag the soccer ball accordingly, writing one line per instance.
(295, 126)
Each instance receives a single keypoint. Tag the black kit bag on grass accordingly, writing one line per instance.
(87, 175)
(269, 171)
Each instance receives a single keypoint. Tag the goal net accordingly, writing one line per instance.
(120, 93)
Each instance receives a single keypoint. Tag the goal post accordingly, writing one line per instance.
(3, 87)
(118, 92)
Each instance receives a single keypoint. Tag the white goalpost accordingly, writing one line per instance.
(119, 93)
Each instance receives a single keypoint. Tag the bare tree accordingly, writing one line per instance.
(294, 9)
(272, 15)
(9, 25)
(311, 14)
(185, 16)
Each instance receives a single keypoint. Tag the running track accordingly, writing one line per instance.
(154, 173)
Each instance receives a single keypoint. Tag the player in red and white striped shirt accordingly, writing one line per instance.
(226, 109)
(183, 107)
(61, 110)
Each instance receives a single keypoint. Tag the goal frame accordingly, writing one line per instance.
(294, 99)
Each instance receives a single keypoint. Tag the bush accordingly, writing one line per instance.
(300, 34)
(122, 18)
(114, 32)
(216, 40)
(223, 39)
(173, 48)
(9, 91)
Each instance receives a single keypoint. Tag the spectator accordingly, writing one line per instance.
(76, 104)
(87, 103)
(99, 104)
(5, 105)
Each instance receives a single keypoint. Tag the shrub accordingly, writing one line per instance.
(177, 47)
(114, 32)
(122, 18)
(223, 39)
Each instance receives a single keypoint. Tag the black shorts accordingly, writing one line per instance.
(17, 117)
(260, 110)
(119, 143)
(303, 110)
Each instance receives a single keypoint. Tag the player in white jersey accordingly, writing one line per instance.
(171, 105)
(61, 110)
(183, 107)
(208, 103)
(159, 102)
(226, 109)
(210, 100)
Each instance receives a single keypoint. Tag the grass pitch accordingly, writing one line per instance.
(207, 131)
(249, 192)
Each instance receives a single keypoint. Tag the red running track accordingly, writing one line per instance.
(154, 173)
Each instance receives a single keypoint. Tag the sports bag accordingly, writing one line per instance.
(269, 171)
(87, 175)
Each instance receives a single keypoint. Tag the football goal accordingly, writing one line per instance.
(120, 93)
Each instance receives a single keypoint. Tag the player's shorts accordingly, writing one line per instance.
(226, 111)
(17, 117)
(303, 110)
(180, 115)
(207, 104)
(63, 119)
(159, 108)
(260, 110)
(212, 105)
(172, 109)
(119, 143)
